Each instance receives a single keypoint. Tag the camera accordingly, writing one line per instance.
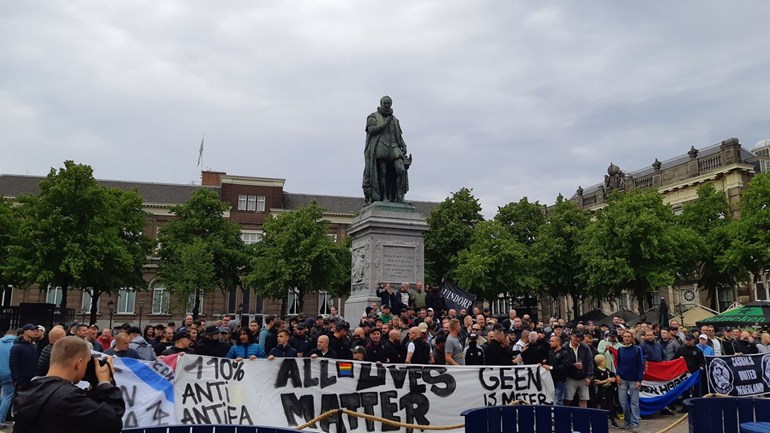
(90, 375)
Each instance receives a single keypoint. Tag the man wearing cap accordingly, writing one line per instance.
(498, 352)
(212, 345)
(181, 343)
(695, 361)
(359, 353)
(703, 345)
(339, 342)
(300, 341)
(23, 359)
(139, 344)
(609, 348)
(385, 315)
(474, 354)
(375, 350)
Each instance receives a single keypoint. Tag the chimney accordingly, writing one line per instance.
(212, 178)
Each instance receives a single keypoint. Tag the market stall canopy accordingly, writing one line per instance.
(752, 314)
(629, 317)
(595, 315)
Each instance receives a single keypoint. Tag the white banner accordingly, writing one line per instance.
(148, 391)
(287, 392)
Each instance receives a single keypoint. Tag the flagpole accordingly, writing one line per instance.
(200, 150)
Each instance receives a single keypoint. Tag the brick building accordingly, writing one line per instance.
(251, 200)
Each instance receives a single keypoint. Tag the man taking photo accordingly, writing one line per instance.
(54, 404)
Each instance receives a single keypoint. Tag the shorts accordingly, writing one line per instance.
(578, 385)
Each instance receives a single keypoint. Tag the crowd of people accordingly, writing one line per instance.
(592, 365)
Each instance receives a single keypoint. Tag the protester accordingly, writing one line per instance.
(98, 411)
(181, 343)
(141, 345)
(246, 348)
(44, 359)
(282, 349)
(607, 393)
(693, 357)
(558, 362)
(418, 350)
(322, 350)
(630, 371)
(581, 370)
(6, 381)
(121, 348)
(23, 358)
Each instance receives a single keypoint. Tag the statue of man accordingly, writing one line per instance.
(386, 163)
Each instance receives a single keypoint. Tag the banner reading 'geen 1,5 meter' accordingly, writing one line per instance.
(288, 392)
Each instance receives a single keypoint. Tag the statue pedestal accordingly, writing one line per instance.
(388, 247)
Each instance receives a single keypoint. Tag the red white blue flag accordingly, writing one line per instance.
(663, 383)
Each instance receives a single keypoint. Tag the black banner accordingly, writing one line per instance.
(739, 375)
(455, 297)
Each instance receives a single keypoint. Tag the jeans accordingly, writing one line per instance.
(560, 390)
(628, 394)
(8, 393)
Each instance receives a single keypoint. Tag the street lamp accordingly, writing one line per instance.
(141, 309)
(110, 304)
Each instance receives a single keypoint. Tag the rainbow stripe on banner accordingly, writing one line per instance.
(663, 383)
(344, 369)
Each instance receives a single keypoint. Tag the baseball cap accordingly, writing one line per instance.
(212, 330)
(224, 330)
(473, 336)
(703, 336)
(429, 309)
(689, 337)
(29, 327)
(423, 327)
(343, 325)
(385, 306)
(612, 333)
(300, 326)
(41, 328)
(181, 334)
(359, 349)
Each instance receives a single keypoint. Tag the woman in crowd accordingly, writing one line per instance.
(246, 348)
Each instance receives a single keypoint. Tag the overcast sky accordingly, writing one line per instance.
(511, 99)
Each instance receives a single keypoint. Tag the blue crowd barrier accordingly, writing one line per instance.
(725, 414)
(211, 429)
(536, 419)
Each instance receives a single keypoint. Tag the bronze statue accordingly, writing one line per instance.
(385, 159)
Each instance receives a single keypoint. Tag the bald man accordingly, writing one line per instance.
(71, 409)
(56, 334)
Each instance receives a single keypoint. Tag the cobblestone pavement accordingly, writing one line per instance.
(656, 423)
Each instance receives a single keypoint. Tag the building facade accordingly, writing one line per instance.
(251, 200)
(728, 166)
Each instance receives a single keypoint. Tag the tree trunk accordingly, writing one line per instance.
(197, 304)
(301, 301)
(63, 303)
(95, 295)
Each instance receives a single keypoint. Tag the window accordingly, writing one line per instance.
(191, 303)
(86, 304)
(53, 295)
(251, 203)
(5, 300)
(292, 303)
(261, 203)
(249, 238)
(126, 301)
(241, 202)
(161, 300)
(725, 299)
(325, 302)
(623, 301)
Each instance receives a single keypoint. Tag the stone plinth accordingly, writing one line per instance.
(388, 247)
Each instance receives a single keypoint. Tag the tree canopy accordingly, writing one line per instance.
(451, 226)
(634, 244)
(296, 253)
(522, 219)
(201, 251)
(750, 246)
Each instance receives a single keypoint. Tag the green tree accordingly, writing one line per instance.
(201, 250)
(634, 244)
(556, 251)
(78, 234)
(750, 246)
(451, 226)
(710, 217)
(296, 253)
(523, 219)
(495, 263)
(9, 225)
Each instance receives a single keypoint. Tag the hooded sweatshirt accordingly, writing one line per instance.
(145, 350)
(5, 357)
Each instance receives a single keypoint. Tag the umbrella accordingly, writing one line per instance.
(629, 317)
(752, 314)
(663, 316)
(594, 315)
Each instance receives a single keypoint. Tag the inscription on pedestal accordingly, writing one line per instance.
(399, 263)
